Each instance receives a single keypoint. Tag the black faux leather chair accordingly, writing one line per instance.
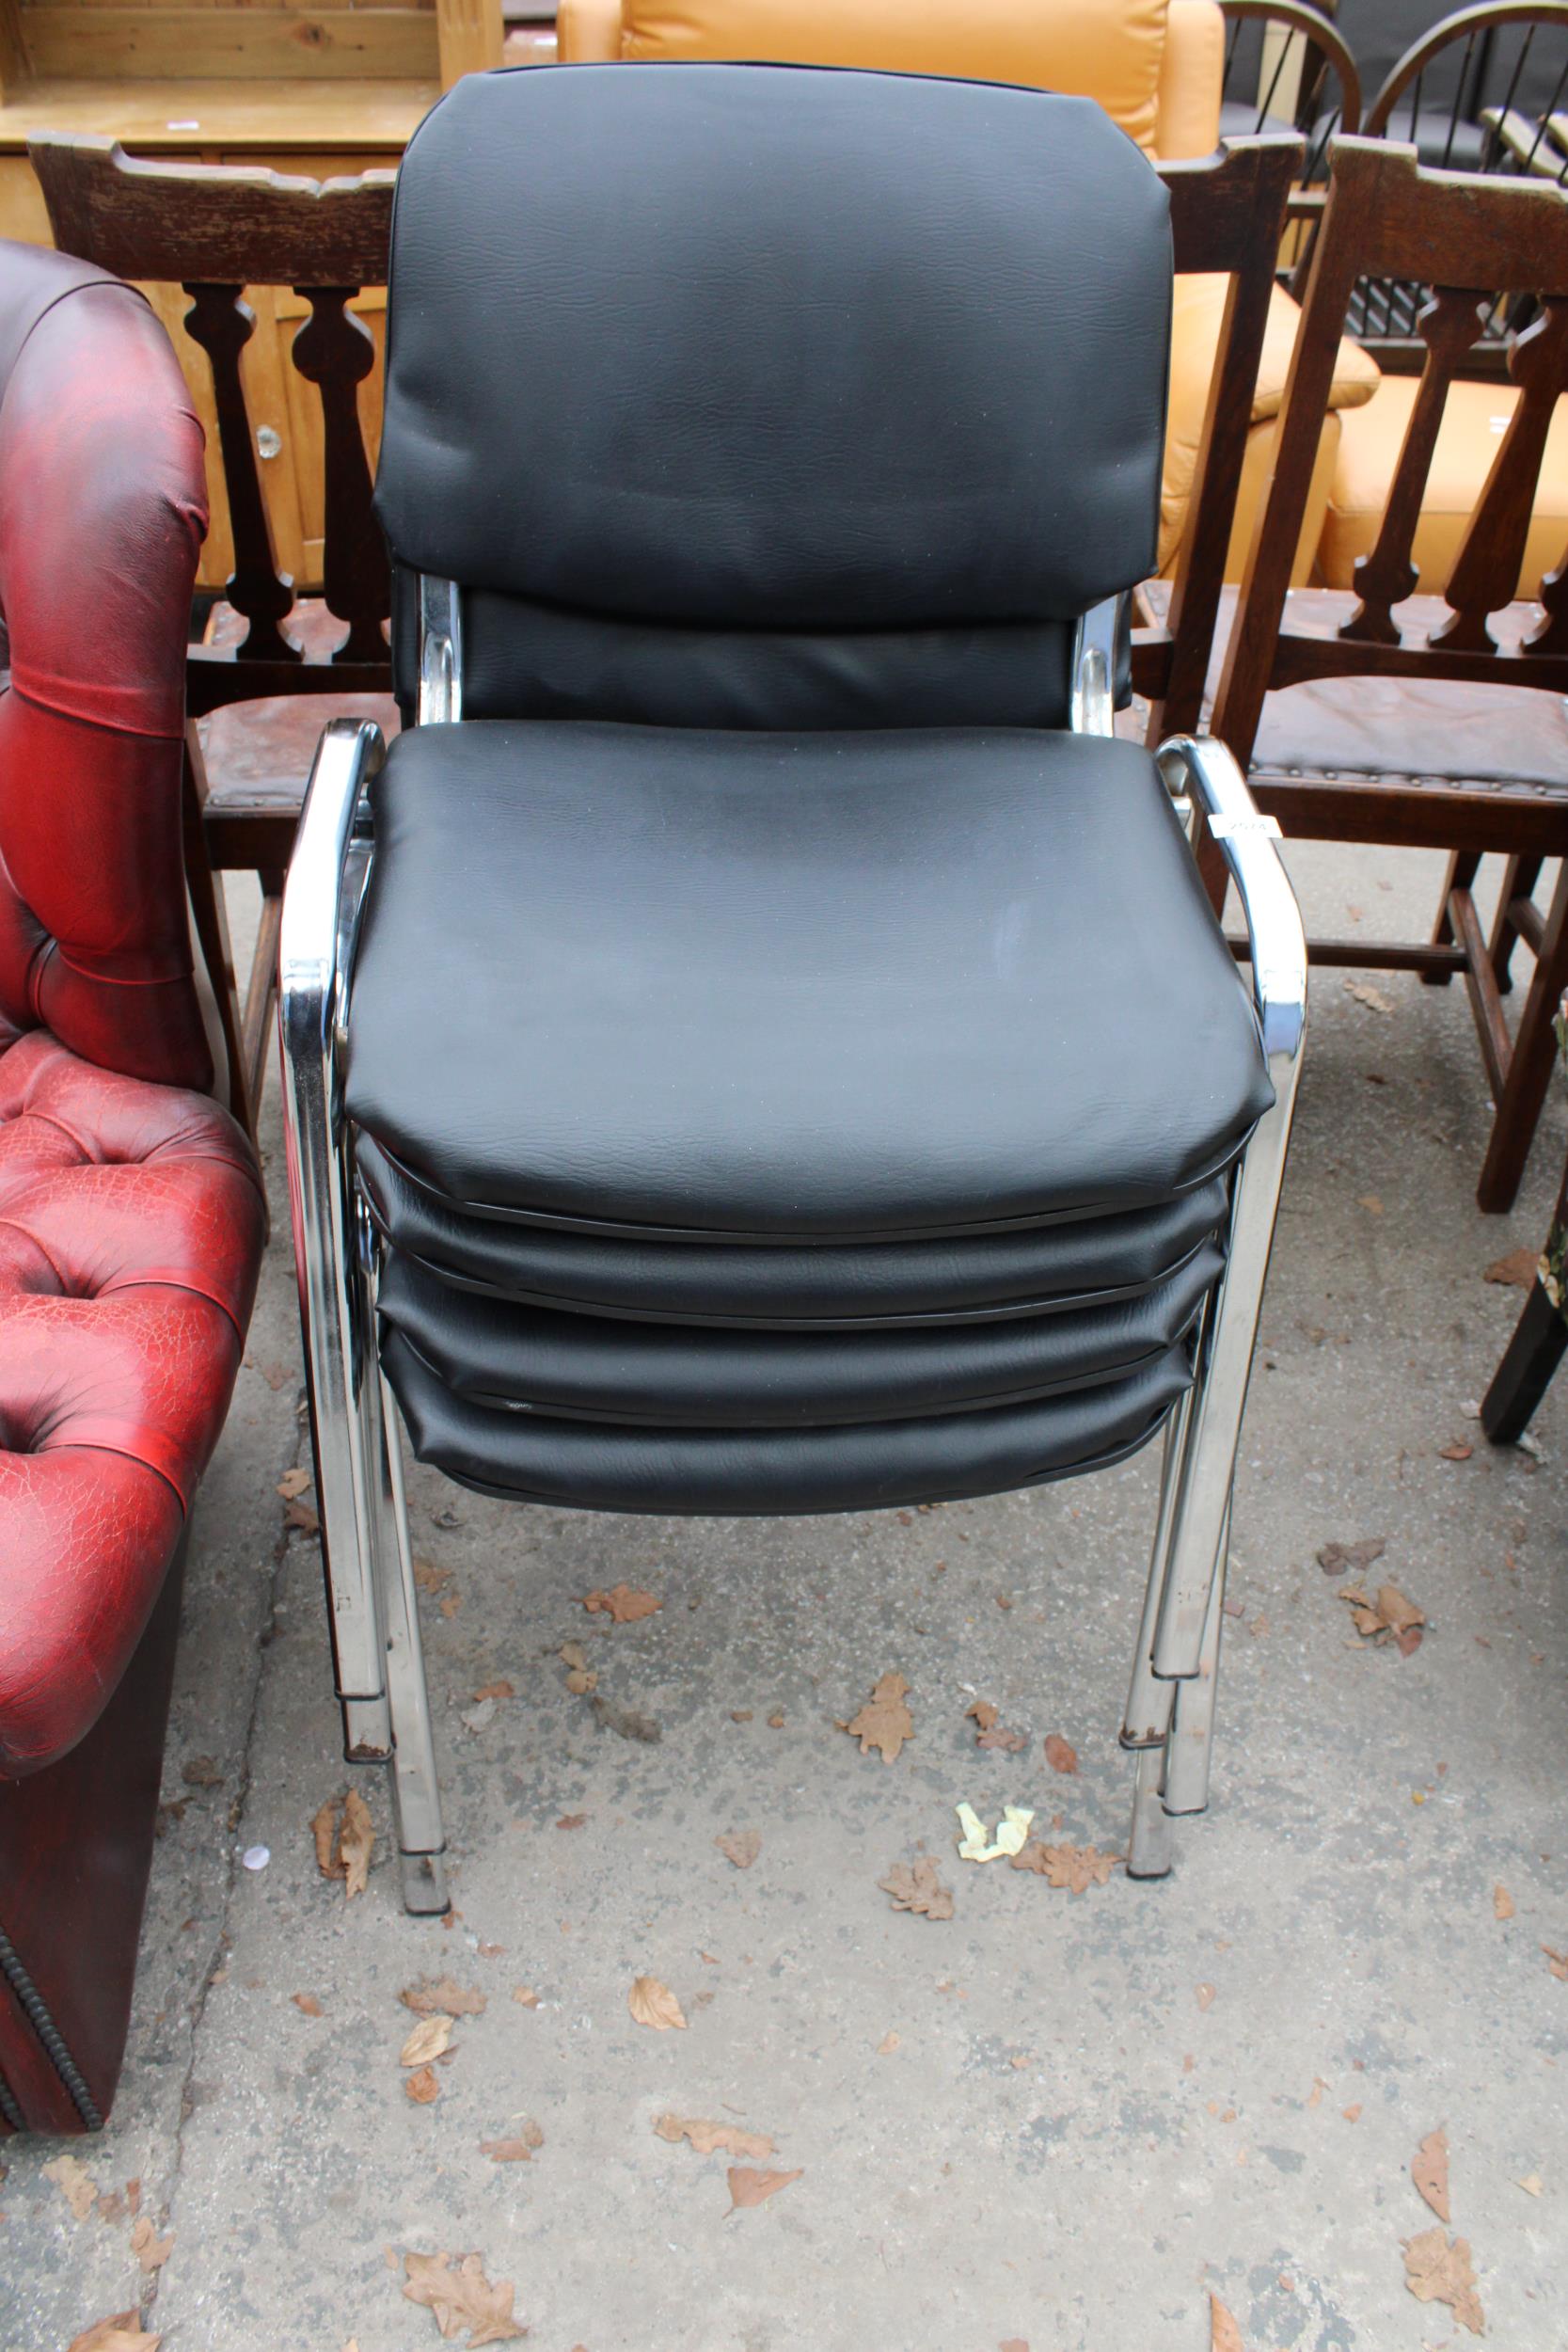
(756, 1045)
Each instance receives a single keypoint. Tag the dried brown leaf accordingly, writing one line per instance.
(713, 2139)
(430, 2038)
(293, 1483)
(1206, 1995)
(1356, 1559)
(303, 1516)
(1429, 2170)
(463, 2297)
(580, 1678)
(984, 1714)
(999, 1738)
(884, 1722)
(501, 1690)
(433, 1993)
(1373, 998)
(123, 2332)
(1076, 1868)
(1519, 1267)
(1456, 1450)
(75, 2184)
(201, 1772)
(1223, 2334)
(623, 1604)
(918, 1889)
(888, 2042)
(748, 2187)
(344, 1841)
(516, 2151)
(307, 2004)
(1556, 1961)
(741, 1846)
(653, 2004)
(1438, 2270)
(355, 1841)
(422, 2087)
(429, 1578)
(1060, 1755)
(525, 1997)
(1391, 1617)
(151, 2249)
(1503, 1905)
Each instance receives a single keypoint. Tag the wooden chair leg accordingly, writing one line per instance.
(1530, 1066)
(1520, 876)
(1521, 1380)
(261, 997)
(1464, 865)
(210, 915)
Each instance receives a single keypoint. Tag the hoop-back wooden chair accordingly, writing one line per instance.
(217, 232)
(1467, 237)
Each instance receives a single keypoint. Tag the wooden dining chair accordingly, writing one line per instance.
(1427, 759)
(279, 655)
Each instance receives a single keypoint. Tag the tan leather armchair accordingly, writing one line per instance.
(1156, 66)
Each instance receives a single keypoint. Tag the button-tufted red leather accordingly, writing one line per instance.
(131, 1213)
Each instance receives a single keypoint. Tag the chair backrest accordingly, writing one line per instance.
(772, 397)
(101, 513)
(216, 231)
(1285, 67)
(1485, 91)
(1464, 237)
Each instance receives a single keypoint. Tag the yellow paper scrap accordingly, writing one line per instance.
(979, 1846)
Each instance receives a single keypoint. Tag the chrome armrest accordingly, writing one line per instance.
(1200, 767)
(1092, 708)
(321, 906)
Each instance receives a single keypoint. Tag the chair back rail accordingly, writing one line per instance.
(1466, 237)
(1228, 212)
(216, 231)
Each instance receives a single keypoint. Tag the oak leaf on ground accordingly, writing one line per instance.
(1223, 2334)
(430, 2038)
(1391, 1617)
(580, 1677)
(434, 1994)
(344, 1841)
(292, 1484)
(918, 1889)
(1334, 1559)
(1429, 2170)
(623, 1604)
(884, 1722)
(741, 1846)
(151, 2249)
(1076, 1868)
(1519, 1267)
(123, 2332)
(1059, 1754)
(653, 2004)
(422, 2087)
(985, 1716)
(1438, 2270)
(75, 2184)
(750, 2187)
(463, 2297)
(713, 2139)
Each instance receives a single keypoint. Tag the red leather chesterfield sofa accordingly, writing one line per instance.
(132, 1217)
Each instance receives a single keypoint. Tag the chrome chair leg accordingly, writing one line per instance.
(1189, 1747)
(1150, 1848)
(1149, 1700)
(417, 1797)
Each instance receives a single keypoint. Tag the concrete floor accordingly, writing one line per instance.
(1073, 2141)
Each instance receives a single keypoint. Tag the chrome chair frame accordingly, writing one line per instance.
(356, 1426)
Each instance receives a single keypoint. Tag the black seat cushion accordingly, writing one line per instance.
(1044, 1269)
(763, 1473)
(528, 1359)
(792, 988)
